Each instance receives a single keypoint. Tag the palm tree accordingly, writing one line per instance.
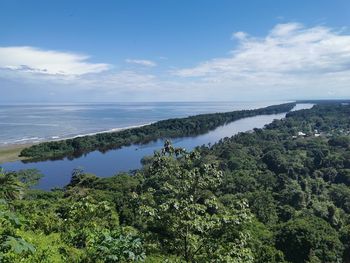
(10, 187)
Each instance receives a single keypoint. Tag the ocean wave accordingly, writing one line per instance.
(109, 130)
(28, 140)
(28, 124)
(23, 140)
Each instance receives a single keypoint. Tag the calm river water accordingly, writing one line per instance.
(58, 173)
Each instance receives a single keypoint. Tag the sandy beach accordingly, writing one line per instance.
(11, 153)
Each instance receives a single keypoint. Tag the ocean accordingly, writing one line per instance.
(58, 173)
(32, 123)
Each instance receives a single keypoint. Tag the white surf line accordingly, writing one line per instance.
(105, 131)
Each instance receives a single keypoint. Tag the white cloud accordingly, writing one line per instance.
(291, 61)
(285, 29)
(142, 62)
(34, 60)
(29, 68)
(239, 35)
(289, 58)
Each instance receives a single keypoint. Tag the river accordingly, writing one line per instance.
(58, 173)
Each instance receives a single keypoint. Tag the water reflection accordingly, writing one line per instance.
(57, 173)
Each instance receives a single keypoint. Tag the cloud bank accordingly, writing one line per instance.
(34, 60)
(290, 59)
(288, 49)
(290, 62)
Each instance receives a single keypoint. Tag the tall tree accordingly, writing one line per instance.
(179, 204)
(10, 187)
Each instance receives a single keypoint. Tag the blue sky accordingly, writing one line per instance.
(173, 50)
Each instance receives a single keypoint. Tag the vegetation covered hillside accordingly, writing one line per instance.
(278, 194)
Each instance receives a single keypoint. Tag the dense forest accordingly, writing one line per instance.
(278, 194)
(171, 128)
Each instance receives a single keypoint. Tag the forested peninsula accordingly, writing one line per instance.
(171, 128)
(277, 194)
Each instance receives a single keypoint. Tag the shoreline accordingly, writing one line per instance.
(11, 152)
(104, 131)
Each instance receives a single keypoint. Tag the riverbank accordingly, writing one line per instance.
(37, 123)
(129, 158)
(11, 153)
(104, 131)
(170, 128)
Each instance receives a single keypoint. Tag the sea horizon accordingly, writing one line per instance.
(39, 122)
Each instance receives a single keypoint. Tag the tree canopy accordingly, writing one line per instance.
(277, 194)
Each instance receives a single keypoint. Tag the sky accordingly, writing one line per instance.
(173, 50)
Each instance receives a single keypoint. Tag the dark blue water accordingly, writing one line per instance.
(58, 173)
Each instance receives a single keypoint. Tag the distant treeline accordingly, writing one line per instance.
(325, 102)
(171, 128)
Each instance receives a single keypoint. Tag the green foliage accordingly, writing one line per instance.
(29, 177)
(263, 196)
(12, 246)
(171, 128)
(115, 247)
(84, 219)
(178, 202)
(10, 187)
(345, 238)
(301, 236)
